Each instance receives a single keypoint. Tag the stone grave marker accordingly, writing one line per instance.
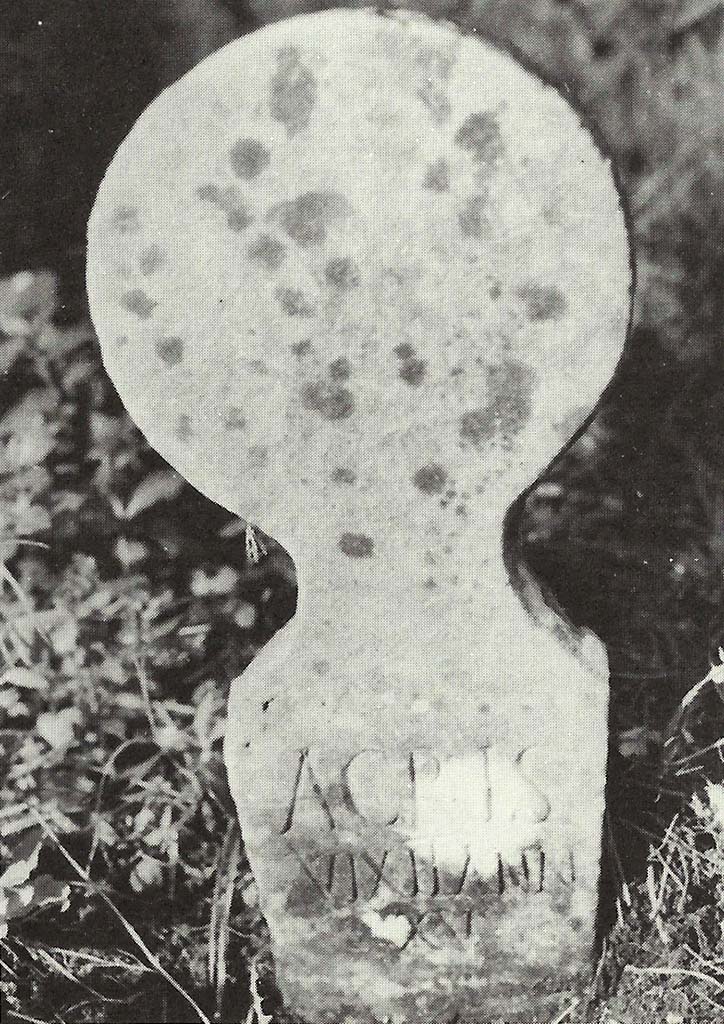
(359, 278)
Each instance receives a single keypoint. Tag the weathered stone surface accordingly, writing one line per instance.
(390, 278)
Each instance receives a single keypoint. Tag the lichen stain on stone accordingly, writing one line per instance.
(543, 302)
(430, 479)
(356, 545)
(302, 348)
(184, 429)
(330, 400)
(234, 418)
(342, 475)
(473, 219)
(340, 368)
(478, 425)
(437, 176)
(258, 455)
(413, 371)
(306, 218)
(238, 217)
(293, 302)
(268, 251)
(292, 91)
(480, 135)
(512, 384)
(320, 666)
(210, 193)
(170, 350)
(341, 272)
(248, 158)
(151, 259)
(136, 301)
(126, 219)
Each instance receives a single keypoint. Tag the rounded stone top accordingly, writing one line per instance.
(355, 269)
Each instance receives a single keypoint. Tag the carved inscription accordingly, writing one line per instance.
(327, 827)
(307, 797)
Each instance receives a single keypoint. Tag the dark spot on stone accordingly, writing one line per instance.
(306, 218)
(183, 427)
(437, 176)
(512, 384)
(139, 303)
(332, 401)
(151, 259)
(292, 91)
(341, 272)
(170, 350)
(404, 351)
(356, 545)
(480, 135)
(543, 303)
(293, 302)
(302, 348)
(430, 479)
(473, 219)
(122, 340)
(461, 510)
(413, 371)
(248, 158)
(430, 584)
(235, 419)
(210, 193)
(450, 493)
(238, 218)
(126, 219)
(443, 503)
(342, 475)
(495, 291)
(340, 369)
(320, 666)
(268, 251)
(258, 455)
(456, 371)
(477, 425)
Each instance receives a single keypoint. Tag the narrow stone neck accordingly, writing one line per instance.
(415, 582)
